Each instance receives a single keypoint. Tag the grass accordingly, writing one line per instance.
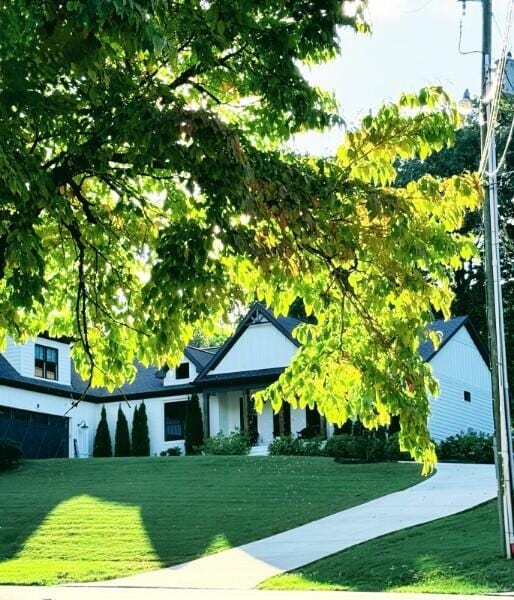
(455, 555)
(87, 520)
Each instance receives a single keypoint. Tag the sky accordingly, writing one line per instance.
(413, 43)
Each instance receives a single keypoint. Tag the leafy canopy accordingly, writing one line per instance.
(145, 191)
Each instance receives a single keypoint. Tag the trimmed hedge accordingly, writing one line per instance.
(343, 447)
(288, 445)
(10, 454)
(236, 443)
(467, 447)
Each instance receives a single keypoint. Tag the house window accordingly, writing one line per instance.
(182, 371)
(467, 396)
(174, 420)
(45, 362)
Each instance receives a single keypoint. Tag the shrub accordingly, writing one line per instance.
(467, 447)
(121, 438)
(102, 446)
(309, 432)
(140, 437)
(287, 445)
(392, 449)
(193, 428)
(173, 451)
(232, 444)
(352, 448)
(10, 454)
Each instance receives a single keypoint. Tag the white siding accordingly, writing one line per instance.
(261, 346)
(155, 415)
(214, 415)
(21, 357)
(459, 367)
(265, 424)
(298, 420)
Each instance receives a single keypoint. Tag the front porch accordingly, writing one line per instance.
(235, 410)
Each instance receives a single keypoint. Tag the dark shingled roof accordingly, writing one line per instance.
(149, 380)
(288, 323)
(447, 330)
(200, 356)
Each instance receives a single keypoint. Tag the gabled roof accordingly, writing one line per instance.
(200, 356)
(448, 329)
(149, 380)
(258, 313)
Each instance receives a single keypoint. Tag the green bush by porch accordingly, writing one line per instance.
(109, 518)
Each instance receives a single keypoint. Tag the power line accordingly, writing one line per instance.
(497, 89)
(461, 26)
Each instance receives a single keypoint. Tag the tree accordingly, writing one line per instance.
(469, 282)
(135, 430)
(193, 429)
(146, 191)
(102, 446)
(140, 437)
(122, 439)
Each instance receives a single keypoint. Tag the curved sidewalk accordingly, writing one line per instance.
(454, 488)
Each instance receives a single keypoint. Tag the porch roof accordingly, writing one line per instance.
(239, 379)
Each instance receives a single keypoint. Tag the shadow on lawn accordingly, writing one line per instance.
(105, 518)
(457, 554)
(155, 516)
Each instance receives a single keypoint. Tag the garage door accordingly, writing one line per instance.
(39, 435)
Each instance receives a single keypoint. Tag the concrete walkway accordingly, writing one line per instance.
(452, 489)
(99, 593)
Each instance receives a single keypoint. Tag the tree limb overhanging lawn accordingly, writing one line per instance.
(86, 520)
(455, 555)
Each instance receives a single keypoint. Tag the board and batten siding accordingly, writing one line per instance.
(459, 367)
(261, 346)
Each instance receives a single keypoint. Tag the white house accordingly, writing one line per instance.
(38, 386)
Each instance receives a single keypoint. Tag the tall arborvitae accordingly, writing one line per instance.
(121, 439)
(135, 432)
(102, 445)
(140, 437)
(193, 429)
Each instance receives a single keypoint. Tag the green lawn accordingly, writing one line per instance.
(455, 555)
(84, 520)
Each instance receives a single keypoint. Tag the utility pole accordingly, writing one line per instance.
(494, 301)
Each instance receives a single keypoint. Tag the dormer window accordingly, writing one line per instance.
(45, 362)
(182, 371)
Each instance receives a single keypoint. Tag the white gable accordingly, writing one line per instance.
(261, 346)
(459, 367)
(171, 375)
